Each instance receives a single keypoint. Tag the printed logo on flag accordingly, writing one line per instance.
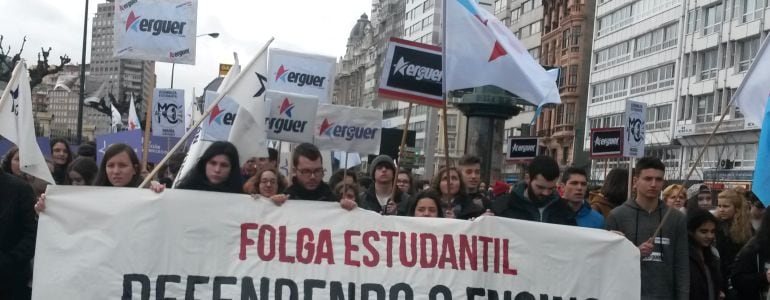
(522, 148)
(346, 132)
(219, 123)
(300, 79)
(291, 117)
(414, 73)
(349, 129)
(159, 30)
(301, 73)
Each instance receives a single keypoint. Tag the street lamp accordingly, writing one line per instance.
(173, 65)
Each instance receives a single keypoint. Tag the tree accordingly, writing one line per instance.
(42, 69)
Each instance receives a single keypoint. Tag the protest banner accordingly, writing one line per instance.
(302, 73)
(636, 113)
(108, 243)
(168, 113)
(158, 147)
(349, 129)
(217, 125)
(159, 30)
(412, 73)
(291, 117)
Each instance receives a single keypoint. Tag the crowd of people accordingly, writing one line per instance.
(691, 247)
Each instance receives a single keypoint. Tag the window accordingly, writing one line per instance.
(752, 9)
(515, 14)
(560, 114)
(608, 121)
(704, 108)
(570, 113)
(573, 70)
(712, 18)
(535, 27)
(499, 6)
(615, 20)
(613, 55)
(653, 79)
(564, 41)
(575, 32)
(535, 52)
(658, 117)
(748, 49)
(692, 21)
(656, 40)
(527, 6)
(708, 61)
(609, 90)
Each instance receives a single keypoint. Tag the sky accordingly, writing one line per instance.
(313, 26)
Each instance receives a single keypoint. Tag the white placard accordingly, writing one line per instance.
(217, 125)
(350, 129)
(168, 113)
(302, 73)
(159, 30)
(635, 120)
(292, 116)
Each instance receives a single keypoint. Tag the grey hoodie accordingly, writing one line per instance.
(665, 273)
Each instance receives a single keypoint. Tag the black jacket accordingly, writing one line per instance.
(18, 230)
(480, 199)
(369, 201)
(748, 276)
(465, 208)
(322, 193)
(516, 206)
(698, 280)
(728, 251)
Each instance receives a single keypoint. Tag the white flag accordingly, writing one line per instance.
(17, 123)
(65, 82)
(133, 119)
(96, 96)
(248, 131)
(754, 92)
(480, 51)
(116, 119)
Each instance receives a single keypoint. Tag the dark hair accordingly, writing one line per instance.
(695, 219)
(84, 166)
(197, 180)
(112, 151)
(306, 150)
(365, 182)
(468, 160)
(573, 171)
(60, 171)
(8, 158)
(340, 187)
(615, 187)
(252, 185)
(545, 166)
(87, 149)
(648, 162)
(66, 146)
(430, 194)
(761, 238)
(272, 154)
(339, 176)
(411, 181)
(436, 183)
(174, 162)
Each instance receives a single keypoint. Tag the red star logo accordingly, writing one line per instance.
(286, 107)
(214, 113)
(280, 72)
(497, 51)
(131, 19)
(325, 126)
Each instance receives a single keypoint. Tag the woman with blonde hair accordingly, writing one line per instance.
(675, 196)
(734, 230)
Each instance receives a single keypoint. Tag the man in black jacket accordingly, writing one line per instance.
(308, 171)
(17, 237)
(380, 196)
(470, 167)
(536, 199)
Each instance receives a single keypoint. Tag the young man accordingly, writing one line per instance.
(536, 198)
(574, 183)
(308, 171)
(17, 237)
(470, 167)
(664, 265)
(379, 197)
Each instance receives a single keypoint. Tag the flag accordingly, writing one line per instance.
(761, 178)
(97, 96)
(248, 132)
(133, 119)
(116, 119)
(17, 123)
(479, 50)
(65, 82)
(752, 95)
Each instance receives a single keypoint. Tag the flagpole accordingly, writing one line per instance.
(82, 96)
(401, 148)
(147, 123)
(205, 114)
(443, 86)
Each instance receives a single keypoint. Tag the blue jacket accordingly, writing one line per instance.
(587, 217)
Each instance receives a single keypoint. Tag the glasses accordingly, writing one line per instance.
(316, 172)
(268, 181)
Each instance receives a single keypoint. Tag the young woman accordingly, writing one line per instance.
(613, 193)
(82, 171)
(217, 170)
(348, 195)
(267, 183)
(11, 162)
(750, 276)
(705, 276)
(734, 230)
(675, 196)
(404, 182)
(451, 189)
(426, 204)
(61, 155)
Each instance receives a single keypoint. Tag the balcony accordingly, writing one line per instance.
(546, 133)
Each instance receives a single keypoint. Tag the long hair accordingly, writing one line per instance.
(84, 166)
(436, 183)
(341, 187)
(740, 226)
(615, 187)
(411, 189)
(66, 146)
(60, 171)
(429, 194)
(252, 185)
(695, 219)
(112, 151)
(8, 158)
(197, 180)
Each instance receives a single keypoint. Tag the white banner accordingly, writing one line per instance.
(159, 30)
(292, 117)
(350, 129)
(217, 125)
(111, 243)
(302, 73)
(636, 114)
(168, 113)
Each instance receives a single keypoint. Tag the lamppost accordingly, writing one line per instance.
(173, 65)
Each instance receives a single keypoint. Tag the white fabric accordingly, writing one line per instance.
(18, 126)
(159, 30)
(351, 129)
(248, 132)
(754, 92)
(133, 119)
(94, 236)
(287, 69)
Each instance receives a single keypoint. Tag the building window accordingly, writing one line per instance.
(573, 74)
(535, 52)
(712, 19)
(515, 14)
(656, 40)
(499, 6)
(613, 55)
(575, 32)
(748, 49)
(615, 20)
(752, 9)
(527, 6)
(658, 117)
(570, 113)
(653, 79)
(564, 41)
(609, 90)
(560, 114)
(704, 108)
(709, 63)
(692, 21)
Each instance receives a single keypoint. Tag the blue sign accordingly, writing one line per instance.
(159, 146)
(43, 142)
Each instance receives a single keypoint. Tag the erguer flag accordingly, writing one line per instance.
(761, 178)
(248, 131)
(17, 123)
(752, 95)
(133, 119)
(480, 51)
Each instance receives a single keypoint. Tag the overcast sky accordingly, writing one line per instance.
(244, 25)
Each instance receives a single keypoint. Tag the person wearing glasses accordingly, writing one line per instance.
(307, 180)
